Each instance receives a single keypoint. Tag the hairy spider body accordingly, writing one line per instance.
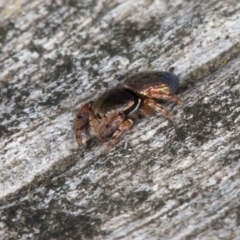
(115, 111)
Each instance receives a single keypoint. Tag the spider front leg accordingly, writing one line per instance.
(81, 125)
(122, 129)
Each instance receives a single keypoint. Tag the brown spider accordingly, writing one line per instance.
(116, 110)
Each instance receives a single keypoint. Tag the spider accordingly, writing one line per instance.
(115, 111)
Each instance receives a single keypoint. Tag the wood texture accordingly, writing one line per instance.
(166, 179)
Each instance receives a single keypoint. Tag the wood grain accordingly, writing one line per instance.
(166, 179)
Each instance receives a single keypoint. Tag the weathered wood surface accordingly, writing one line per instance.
(165, 180)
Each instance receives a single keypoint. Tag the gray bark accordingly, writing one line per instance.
(166, 179)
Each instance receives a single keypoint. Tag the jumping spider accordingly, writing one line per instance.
(116, 110)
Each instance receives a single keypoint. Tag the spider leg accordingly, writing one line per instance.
(164, 94)
(124, 127)
(81, 124)
(150, 104)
